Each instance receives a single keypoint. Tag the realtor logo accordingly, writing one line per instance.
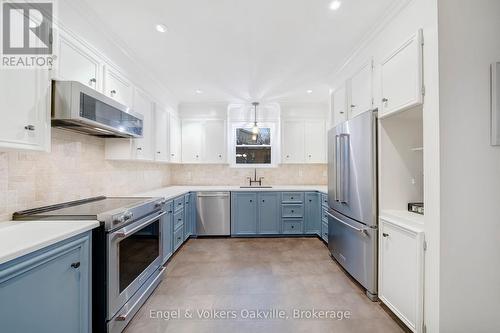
(27, 30)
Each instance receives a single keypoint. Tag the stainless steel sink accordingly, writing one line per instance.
(256, 187)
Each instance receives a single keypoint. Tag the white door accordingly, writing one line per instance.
(25, 109)
(75, 63)
(192, 141)
(315, 141)
(175, 139)
(361, 90)
(339, 105)
(214, 141)
(162, 135)
(401, 272)
(402, 77)
(144, 146)
(292, 142)
(117, 86)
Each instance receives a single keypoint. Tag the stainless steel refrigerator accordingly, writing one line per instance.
(352, 196)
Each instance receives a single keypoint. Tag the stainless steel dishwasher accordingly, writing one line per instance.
(213, 214)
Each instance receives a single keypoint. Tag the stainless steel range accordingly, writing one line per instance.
(126, 252)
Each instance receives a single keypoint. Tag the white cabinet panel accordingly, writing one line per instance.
(162, 135)
(175, 139)
(402, 77)
(361, 90)
(214, 142)
(192, 141)
(117, 86)
(339, 103)
(292, 142)
(315, 141)
(25, 105)
(401, 272)
(75, 63)
(144, 146)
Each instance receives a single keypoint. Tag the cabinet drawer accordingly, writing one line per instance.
(178, 238)
(324, 215)
(292, 226)
(178, 219)
(186, 199)
(178, 203)
(324, 200)
(169, 207)
(324, 231)
(292, 210)
(292, 197)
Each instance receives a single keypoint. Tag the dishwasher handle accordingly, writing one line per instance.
(212, 195)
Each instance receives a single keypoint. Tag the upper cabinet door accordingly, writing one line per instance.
(215, 146)
(162, 135)
(117, 86)
(144, 146)
(292, 142)
(339, 103)
(361, 90)
(175, 139)
(75, 63)
(315, 141)
(402, 77)
(192, 141)
(25, 105)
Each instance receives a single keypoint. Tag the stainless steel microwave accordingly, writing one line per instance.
(80, 108)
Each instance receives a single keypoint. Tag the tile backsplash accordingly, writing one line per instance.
(75, 169)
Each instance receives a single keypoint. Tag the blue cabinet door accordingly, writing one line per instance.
(48, 291)
(312, 218)
(269, 213)
(187, 216)
(168, 231)
(192, 224)
(244, 213)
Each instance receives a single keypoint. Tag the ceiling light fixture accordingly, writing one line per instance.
(335, 4)
(255, 128)
(199, 92)
(309, 91)
(161, 28)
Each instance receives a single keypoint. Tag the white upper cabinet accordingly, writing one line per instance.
(292, 142)
(315, 141)
(117, 86)
(402, 86)
(76, 63)
(162, 135)
(175, 139)
(215, 144)
(145, 146)
(339, 105)
(25, 105)
(192, 141)
(361, 91)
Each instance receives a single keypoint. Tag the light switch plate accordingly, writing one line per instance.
(495, 104)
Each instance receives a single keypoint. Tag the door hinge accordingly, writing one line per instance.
(425, 245)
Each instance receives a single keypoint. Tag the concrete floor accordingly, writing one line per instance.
(258, 274)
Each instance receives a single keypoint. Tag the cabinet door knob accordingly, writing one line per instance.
(113, 93)
(29, 127)
(353, 106)
(139, 148)
(385, 235)
(92, 81)
(385, 100)
(75, 265)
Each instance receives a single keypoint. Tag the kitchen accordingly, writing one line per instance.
(250, 166)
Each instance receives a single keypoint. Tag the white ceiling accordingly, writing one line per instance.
(241, 50)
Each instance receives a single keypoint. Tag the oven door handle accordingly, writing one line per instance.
(125, 234)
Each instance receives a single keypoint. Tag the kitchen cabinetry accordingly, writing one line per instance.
(168, 232)
(117, 86)
(269, 213)
(162, 137)
(312, 219)
(25, 101)
(203, 141)
(361, 93)
(339, 105)
(144, 147)
(304, 142)
(175, 139)
(401, 84)
(292, 213)
(49, 290)
(192, 141)
(401, 267)
(189, 215)
(244, 213)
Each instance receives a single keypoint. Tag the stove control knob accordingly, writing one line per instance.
(118, 219)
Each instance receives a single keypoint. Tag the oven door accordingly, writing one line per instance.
(134, 254)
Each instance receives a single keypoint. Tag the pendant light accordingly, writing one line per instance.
(255, 128)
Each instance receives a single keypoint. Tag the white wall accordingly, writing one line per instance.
(404, 21)
(470, 174)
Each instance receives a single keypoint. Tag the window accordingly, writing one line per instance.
(251, 149)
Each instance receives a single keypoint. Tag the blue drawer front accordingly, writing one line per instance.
(292, 226)
(178, 238)
(292, 210)
(178, 203)
(324, 200)
(169, 207)
(178, 219)
(324, 215)
(324, 231)
(292, 197)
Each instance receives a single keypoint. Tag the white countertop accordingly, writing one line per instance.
(171, 192)
(18, 238)
(405, 219)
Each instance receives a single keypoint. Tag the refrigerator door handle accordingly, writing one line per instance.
(361, 231)
(345, 168)
(338, 174)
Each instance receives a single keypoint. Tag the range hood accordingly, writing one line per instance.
(79, 108)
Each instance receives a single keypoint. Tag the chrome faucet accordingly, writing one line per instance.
(254, 180)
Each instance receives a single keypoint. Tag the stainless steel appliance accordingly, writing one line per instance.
(126, 252)
(352, 196)
(80, 108)
(214, 214)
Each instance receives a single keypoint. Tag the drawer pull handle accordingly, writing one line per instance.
(29, 127)
(75, 265)
(385, 235)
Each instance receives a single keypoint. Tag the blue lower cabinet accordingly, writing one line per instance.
(168, 231)
(269, 213)
(243, 213)
(193, 214)
(324, 231)
(187, 216)
(292, 226)
(48, 290)
(312, 218)
(178, 238)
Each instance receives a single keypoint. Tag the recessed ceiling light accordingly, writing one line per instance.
(335, 4)
(199, 92)
(161, 28)
(309, 91)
